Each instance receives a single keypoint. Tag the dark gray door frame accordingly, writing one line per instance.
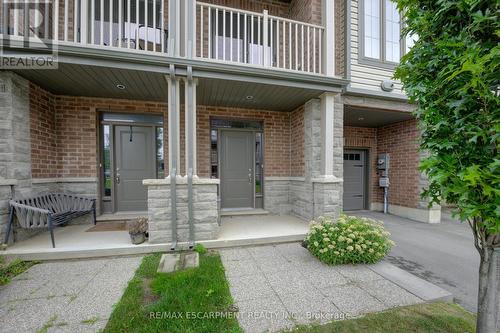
(112, 125)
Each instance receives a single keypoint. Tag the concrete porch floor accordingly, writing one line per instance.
(74, 241)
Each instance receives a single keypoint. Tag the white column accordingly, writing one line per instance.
(327, 130)
(190, 121)
(174, 27)
(84, 19)
(174, 159)
(190, 30)
(328, 11)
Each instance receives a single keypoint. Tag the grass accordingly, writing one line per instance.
(9, 270)
(431, 318)
(151, 298)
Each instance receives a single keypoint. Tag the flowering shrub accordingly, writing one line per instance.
(350, 240)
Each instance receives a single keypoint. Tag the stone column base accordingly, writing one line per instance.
(205, 209)
(426, 215)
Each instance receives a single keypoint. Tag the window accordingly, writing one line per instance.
(381, 32)
(106, 161)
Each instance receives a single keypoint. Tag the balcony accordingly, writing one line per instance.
(212, 33)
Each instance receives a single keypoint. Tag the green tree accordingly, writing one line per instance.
(452, 75)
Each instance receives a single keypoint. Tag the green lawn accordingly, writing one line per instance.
(431, 318)
(11, 269)
(197, 291)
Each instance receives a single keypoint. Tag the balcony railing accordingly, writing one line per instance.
(137, 25)
(221, 34)
(232, 35)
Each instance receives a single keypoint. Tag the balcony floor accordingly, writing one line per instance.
(74, 241)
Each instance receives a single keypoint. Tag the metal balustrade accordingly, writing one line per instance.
(222, 34)
(237, 36)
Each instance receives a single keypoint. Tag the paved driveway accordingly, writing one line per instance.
(443, 254)
(65, 296)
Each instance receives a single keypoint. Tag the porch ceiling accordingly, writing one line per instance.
(98, 81)
(364, 117)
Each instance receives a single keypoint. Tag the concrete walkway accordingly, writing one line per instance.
(443, 254)
(277, 287)
(65, 296)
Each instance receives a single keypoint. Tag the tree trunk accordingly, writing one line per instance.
(487, 301)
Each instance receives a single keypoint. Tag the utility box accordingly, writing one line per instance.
(383, 182)
(383, 162)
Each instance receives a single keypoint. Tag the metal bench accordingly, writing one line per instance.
(48, 211)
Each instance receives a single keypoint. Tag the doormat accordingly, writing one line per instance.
(108, 226)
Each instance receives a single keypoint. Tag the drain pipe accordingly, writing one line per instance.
(173, 123)
(190, 136)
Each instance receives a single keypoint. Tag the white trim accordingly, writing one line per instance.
(327, 137)
(64, 180)
(329, 38)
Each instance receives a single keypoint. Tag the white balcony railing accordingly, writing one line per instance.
(221, 34)
(232, 35)
(129, 24)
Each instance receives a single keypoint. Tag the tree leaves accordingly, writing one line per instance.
(452, 74)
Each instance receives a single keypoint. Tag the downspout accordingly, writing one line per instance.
(190, 151)
(173, 146)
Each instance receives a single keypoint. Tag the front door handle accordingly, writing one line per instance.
(117, 178)
(250, 176)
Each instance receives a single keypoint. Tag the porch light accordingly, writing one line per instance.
(120, 86)
(249, 97)
(361, 118)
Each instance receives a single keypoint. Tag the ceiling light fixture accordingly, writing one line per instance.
(120, 86)
(249, 97)
(361, 118)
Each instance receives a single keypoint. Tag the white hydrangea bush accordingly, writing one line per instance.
(348, 240)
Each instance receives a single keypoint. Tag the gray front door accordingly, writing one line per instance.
(237, 160)
(354, 179)
(134, 161)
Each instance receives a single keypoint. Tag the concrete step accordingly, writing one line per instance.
(243, 212)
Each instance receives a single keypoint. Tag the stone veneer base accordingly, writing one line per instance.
(425, 215)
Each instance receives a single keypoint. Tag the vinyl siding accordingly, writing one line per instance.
(365, 76)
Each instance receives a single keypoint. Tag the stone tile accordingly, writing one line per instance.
(309, 308)
(249, 287)
(263, 315)
(234, 254)
(352, 300)
(294, 252)
(31, 315)
(241, 268)
(290, 282)
(274, 265)
(358, 273)
(78, 328)
(389, 293)
(324, 276)
(265, 252)
(19, 289)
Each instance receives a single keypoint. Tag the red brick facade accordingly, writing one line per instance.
(64, 129)
(400, 141)
(297, 142)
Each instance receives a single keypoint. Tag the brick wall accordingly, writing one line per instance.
(400, 140)
(68, 132)
(43, 133)
(64, 131)
(297, 142)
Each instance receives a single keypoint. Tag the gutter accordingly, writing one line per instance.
(173, 166)
(190, 150)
